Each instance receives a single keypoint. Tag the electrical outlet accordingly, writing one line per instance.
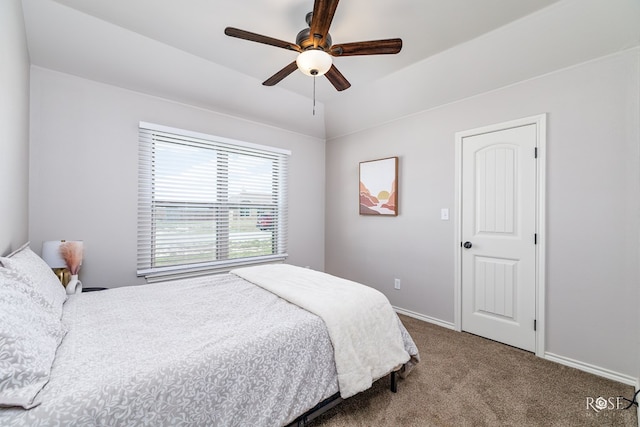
(396, 283)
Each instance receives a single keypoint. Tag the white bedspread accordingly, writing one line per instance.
(362, 325)
(200, 352)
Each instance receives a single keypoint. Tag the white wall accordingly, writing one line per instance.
(593, 207)
(14, 127)
(84, 155)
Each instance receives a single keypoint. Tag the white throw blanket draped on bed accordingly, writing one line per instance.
(362, 324)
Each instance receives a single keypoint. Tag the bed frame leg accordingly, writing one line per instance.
(394, 382)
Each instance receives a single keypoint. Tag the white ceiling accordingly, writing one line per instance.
(453, 49)
(427, 27)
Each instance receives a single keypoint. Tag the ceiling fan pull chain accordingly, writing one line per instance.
(314, 95)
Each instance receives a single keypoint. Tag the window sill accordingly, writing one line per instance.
(174, 273)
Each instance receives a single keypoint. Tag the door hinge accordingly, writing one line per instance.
(535, 238)
(535, 326)
(535, 152)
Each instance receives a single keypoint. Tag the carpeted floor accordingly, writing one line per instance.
(466, 380)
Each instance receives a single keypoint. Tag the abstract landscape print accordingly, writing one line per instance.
(379, 187)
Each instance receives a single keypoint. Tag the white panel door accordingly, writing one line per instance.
(498, 226)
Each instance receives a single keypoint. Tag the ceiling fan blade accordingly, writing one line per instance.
(259, 38)
(337, 79)
(323, 11)
(373, 47)
(277, 77)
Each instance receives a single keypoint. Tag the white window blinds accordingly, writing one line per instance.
(208, 203)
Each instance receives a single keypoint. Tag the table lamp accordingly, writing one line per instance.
(65, 258)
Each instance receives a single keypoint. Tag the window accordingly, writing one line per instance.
(208, 203)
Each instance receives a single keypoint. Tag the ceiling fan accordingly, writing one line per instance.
(315, 47)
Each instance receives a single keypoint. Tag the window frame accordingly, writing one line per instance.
(149, 206)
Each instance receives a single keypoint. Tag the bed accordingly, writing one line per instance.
(213, 351)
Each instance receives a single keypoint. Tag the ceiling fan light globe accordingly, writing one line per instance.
(314, 62)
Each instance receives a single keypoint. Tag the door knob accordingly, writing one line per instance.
(467, 245)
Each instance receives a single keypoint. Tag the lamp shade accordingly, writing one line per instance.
(314, 62)
(51, 254)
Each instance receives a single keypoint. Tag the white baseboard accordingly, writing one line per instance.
(419, 316)
(592, 369)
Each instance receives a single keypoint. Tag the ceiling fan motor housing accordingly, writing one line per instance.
(305, 42)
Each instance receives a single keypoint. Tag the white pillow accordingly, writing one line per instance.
(18, 281)
(29, 338)
(25, 261)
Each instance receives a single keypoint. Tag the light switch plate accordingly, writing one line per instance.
(444, 214)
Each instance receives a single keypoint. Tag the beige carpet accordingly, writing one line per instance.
(465, 380)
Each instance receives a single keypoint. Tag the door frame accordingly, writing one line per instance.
(540, 121)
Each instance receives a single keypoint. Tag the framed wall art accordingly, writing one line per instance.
(379, 187)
